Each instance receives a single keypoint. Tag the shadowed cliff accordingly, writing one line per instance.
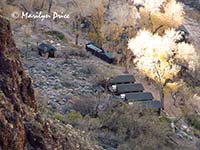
(21, 127)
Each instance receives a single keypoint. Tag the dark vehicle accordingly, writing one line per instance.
(99, 52)
(184, 34)
(44, 48)
(122, 79)
(127, 88)
(142, 96)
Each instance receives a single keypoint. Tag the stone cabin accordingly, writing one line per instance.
(46, 50)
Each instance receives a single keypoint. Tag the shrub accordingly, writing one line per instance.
(58, 116)
(56, 34)
(137, 129)
(73, 117)
(78, 53)
(88, 70)
(85, 105)
(197, 133)
(194, 121)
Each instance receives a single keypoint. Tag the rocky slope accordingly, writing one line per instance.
(21, 126)
(192, 3)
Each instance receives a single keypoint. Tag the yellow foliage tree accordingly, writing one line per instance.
(160, 15)
(160, 57)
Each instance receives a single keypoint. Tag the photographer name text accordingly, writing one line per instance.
(40, 15)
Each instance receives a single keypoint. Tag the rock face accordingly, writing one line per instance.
(15, 88)
(13, 82)
(21, 127)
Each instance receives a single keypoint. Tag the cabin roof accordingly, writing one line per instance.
(94, 47)
(142, 96)
(148, 103)
(122, 79)
(99, 50)
(48, 46)
(125, 88)
(108, 54)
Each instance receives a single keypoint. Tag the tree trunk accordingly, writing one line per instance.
(100, 43)
(97, 106)
(126, 61)
(162, 96)
(77, 36)
(26, 53)
(50, 5)
(126, 66)
(42, 5)
(108, 6)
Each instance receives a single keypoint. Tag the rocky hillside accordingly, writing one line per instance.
(21, 126)
(192, 3)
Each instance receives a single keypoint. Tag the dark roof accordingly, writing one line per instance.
(99, 52)
(108, 54)
(127, 88)
(149, 103)
(122, 79)
(48, 46)
(142, 96)
(94, 47)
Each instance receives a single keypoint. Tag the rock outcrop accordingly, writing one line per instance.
(15, 90)
(21, 127)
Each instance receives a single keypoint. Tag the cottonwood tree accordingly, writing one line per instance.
(160, 57)
(155, 16)
(158, 54)
(159, 15)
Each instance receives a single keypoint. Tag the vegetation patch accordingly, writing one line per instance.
(56, 34)
(73, 117)
(58, 116)
(194, 121)
(78, 53)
